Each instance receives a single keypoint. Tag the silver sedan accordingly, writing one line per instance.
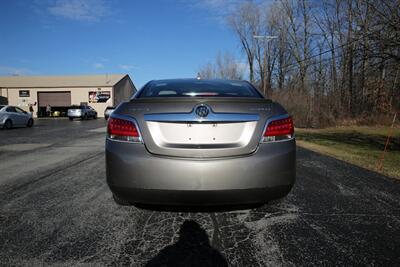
(189, 142)
(11, 116)
(83, 112)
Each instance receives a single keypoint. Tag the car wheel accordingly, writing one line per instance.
(70, 118)
(8, 124)
(30, 123)
(95, 116)
(120, 201)
(85, 117)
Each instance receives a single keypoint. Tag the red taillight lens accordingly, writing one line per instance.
(123, 130)
(279, 129)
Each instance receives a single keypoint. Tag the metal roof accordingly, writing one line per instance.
(60, 81)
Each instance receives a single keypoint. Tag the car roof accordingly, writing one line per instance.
(192, 80)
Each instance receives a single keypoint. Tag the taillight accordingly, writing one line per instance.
(123, 130)
(279, 129)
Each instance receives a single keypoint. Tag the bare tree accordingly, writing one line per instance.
(298, 13)
(208, 71)
(224, 67)
(332, 59)
(245, 22)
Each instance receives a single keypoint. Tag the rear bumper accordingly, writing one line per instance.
(140, 177)
(75, 114)
(201, 197)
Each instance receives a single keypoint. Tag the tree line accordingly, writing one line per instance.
(327, 61)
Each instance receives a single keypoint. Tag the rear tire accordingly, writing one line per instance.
(71, 119)
(85, 117)
(120, 201)
(95, 116)
(30, 123)
(8, 124)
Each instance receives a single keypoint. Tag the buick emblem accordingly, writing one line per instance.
(202, 111)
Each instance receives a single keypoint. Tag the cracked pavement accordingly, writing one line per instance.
(56, 210)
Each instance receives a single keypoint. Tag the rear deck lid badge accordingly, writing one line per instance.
(202, 111)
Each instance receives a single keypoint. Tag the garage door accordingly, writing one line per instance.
(54, 99)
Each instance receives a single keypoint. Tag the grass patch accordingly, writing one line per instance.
(360, 146)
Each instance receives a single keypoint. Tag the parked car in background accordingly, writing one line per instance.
(11, 116)
(84, 112)
(108, 111)
(190, 142)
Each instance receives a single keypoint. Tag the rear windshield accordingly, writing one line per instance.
(199, 88)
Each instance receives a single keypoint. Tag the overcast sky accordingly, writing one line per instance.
(146, 39)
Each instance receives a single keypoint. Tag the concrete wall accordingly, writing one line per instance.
(78, 95)
(3, 92)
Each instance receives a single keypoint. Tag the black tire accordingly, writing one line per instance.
(120, 201)
(71, 119)
(85, 117)
(95, 116)
(8, 124)
(30, 123)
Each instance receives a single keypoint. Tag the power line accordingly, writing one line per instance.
(338, 56)
(329, 50)
(293, 67)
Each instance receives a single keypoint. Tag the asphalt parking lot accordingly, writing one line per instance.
(56, 209)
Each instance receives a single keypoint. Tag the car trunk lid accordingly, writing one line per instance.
(199, 127)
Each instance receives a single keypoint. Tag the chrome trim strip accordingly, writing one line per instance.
(128, 118)
(194, 118)
(276, 117)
